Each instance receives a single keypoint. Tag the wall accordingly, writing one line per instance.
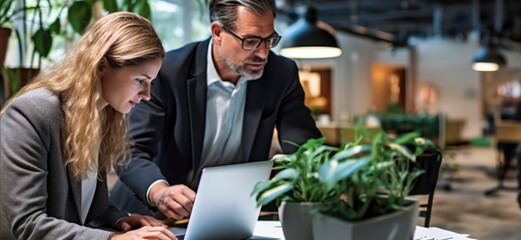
(446, 65)
(351, 79)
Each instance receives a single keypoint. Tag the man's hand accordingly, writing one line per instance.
(174, 202)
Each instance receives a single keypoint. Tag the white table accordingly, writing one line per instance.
(272, 230)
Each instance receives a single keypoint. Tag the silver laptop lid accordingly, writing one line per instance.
(224, 207)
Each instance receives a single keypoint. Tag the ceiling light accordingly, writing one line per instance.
(304, 39)
(488, 58)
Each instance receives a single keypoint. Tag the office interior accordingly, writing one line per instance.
(409, 57)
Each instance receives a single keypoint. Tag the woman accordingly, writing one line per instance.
(64, 131)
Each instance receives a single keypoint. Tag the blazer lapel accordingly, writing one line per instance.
(100, 200)
(255, 99)
(75, 187)
(196, 89)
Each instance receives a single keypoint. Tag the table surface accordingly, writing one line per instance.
(272, 230)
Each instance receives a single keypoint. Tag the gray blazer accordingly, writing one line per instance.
(40, 198)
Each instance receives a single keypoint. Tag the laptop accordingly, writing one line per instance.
(224, 207)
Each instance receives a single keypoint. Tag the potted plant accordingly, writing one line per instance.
(6, 12)
(352, 183)
(298, 176)
(30, 18)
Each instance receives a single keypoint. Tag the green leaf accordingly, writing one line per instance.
(406, 138)
(91, 2)
(55, 27)
(403, 151)
(260, 186)
(288, 173)
(14, 78)
(110, 5)
(333, 171)
(79, 16)
(351, 152)
(143, 9)
(42, 41)
(273, 193)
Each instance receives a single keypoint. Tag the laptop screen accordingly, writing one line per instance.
(223, 207)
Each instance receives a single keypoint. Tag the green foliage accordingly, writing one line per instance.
(426, 125)
(6, 11)
(347, 181)
(13, 75)
(299, 174)
(110, 5)
(79, 15)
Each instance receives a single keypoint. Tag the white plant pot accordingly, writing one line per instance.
(295, 220)
(398, 225)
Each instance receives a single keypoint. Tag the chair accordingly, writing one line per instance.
(426, 183)
(507, 136)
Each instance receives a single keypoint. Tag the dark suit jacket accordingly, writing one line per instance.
(40, 198)
(168, 130)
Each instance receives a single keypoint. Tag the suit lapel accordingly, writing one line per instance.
(99, 201)
(196, 89)
(255, 99)
(75, 187)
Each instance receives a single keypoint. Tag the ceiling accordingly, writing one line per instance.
(396, 21)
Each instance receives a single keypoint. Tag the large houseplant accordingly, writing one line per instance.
(347, 182)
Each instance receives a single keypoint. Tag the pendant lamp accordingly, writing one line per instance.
(488, 58)
(304, 39)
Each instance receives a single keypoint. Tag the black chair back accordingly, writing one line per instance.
(425, 184)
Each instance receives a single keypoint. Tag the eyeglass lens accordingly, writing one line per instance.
(253, 43)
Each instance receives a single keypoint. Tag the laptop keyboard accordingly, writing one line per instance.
(180, 237)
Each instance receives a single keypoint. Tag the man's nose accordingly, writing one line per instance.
(262, 51)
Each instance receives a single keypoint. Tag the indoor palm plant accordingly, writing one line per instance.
(352, 183)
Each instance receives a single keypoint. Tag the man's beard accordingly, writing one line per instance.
(246, 73)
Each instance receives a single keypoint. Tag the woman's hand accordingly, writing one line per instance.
(147, 232)
(137, 220)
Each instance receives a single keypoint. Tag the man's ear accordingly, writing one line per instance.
(216, 31)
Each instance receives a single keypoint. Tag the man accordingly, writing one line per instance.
(214, 102)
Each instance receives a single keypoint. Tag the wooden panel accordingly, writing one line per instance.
(508, 131)
(350, 134)
(337, 135)
(331, 134)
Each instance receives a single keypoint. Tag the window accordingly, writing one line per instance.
(179, 22)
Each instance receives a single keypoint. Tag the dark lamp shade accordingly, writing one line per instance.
(303, 39)
(488, 59)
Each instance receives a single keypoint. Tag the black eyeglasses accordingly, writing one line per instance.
(250, 43)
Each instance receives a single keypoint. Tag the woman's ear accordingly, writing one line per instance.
(103, 65)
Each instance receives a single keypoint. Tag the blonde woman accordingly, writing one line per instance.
(63, 132)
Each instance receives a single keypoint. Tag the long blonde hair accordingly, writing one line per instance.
(125, 39)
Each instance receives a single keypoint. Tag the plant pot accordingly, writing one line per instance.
(4, 40)
(295, 220)
(398, 225)
(17, 78)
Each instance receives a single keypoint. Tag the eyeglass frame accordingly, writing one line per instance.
(273, 35)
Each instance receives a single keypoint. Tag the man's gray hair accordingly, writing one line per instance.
(225, 11)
